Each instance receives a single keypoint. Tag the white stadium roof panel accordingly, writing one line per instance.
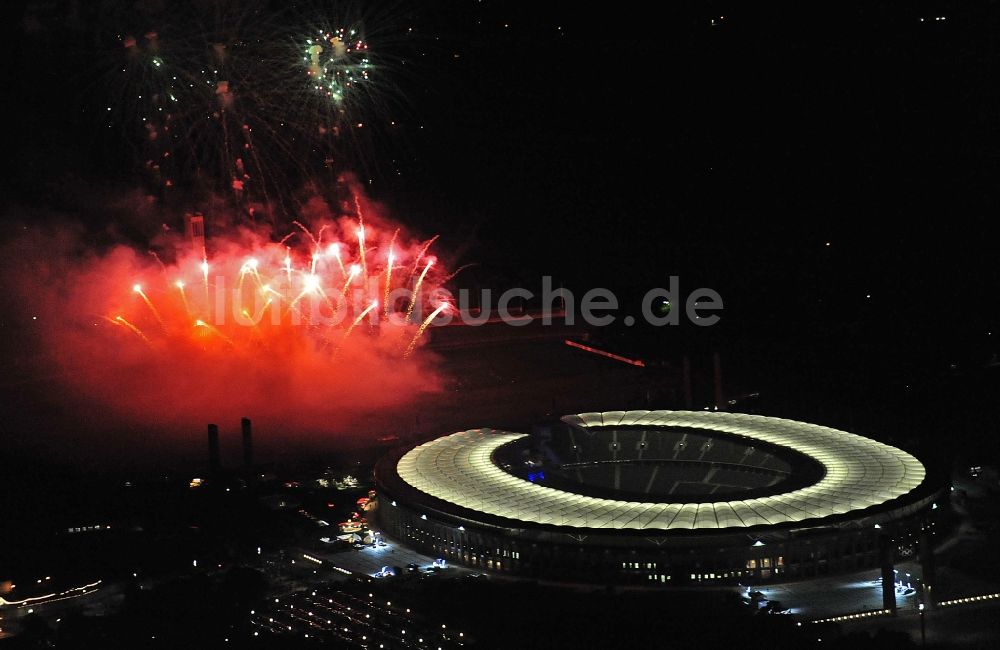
(859, 473)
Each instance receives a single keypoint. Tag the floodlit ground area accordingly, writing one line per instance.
(370, 560)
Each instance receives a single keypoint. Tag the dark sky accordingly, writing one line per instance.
(622, 146)
(831, 170)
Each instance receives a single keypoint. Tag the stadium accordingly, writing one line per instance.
(661, 497)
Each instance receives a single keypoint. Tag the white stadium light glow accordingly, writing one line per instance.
(859, 473)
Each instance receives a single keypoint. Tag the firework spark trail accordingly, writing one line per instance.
(158, 261)
(254, 321)
(362, 255)
(227, 303)
(267, 290)
(277, 91)
(260, 283)
(250, 266)
(118, 320)
(450, 276)
(137, 288)
(416, 289)
(247, 117)
(263, 309)
(361, 316)
(361, 238)
(355, 269)
(319, 237)
(286, 294)
(214, 330)
(301, 227)
(204, 273)
(322, 294)
(423, 326)
(243, 356)
(334, 249)
(420, 255)
(180, 288)
(310, 284)
(317, 242)
(388, 280)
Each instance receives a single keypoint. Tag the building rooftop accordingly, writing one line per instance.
(859, 473)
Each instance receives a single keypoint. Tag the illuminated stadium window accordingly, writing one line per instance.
(694, 577)
(711, 575)
(765, 563)
(751, 564)
(781, 560)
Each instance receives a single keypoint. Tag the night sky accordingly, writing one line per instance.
(831, 169)
(832, 173)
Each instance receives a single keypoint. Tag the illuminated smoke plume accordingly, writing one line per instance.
(287, 328)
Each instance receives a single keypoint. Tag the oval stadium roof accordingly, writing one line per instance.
(860, 473)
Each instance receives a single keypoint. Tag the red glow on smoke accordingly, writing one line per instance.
(292, 333)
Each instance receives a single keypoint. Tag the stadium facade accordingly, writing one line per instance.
(661, 497)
